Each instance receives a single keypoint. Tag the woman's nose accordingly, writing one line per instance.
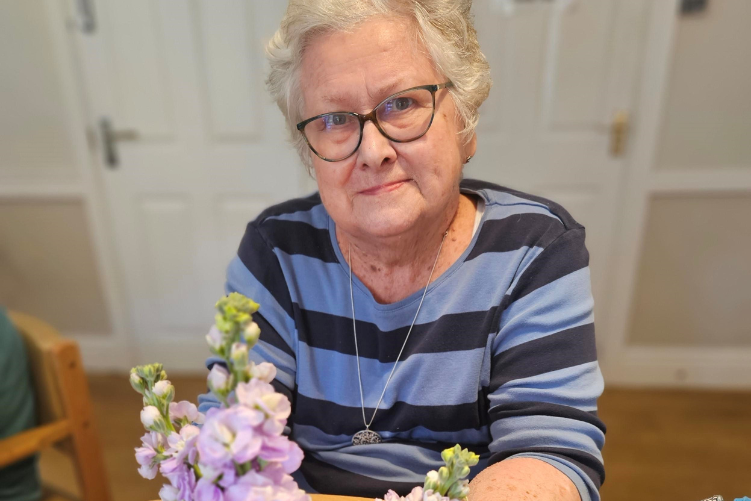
(375, 149)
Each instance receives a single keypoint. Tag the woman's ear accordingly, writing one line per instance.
(470, 148)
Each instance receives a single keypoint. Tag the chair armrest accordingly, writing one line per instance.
(26, 443)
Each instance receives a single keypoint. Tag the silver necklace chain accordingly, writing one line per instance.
(367, 436)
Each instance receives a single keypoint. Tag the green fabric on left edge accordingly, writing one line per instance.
(19, 481)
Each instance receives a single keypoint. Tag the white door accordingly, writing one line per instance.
(200, 152)
(203, 150)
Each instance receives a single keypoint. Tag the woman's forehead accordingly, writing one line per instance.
(362, 66)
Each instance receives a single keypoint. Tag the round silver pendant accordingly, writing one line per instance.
(366, 437)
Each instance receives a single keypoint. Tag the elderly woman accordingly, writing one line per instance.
(406, 309)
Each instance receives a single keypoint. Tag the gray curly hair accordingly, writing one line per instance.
(443, 27)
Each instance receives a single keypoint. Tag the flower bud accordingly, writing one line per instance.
(136, 382)
(239, 355)
(151, 418)
(218, 379)
(432, 481)
(214, 338)
(251, 333)
(264, 371)
(164, 390)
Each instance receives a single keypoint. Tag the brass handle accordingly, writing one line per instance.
(110, 137)
(619, 133)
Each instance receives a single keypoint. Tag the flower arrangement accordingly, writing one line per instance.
(238, 452)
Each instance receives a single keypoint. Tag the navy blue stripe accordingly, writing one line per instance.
(263, 264)
(295, 237)
(516, 409)
(290, 206)
(271, 336)
(589, 464)
(557, 210)
(329, 479)
(565, 255)
(514, 232)
(335, 419)
(554, 352)
(451, 332)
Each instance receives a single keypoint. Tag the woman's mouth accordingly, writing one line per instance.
(384, 188)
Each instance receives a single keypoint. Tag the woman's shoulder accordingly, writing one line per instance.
(297, 226)
(514, 219)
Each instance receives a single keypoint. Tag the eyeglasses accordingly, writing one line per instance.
(401, 117)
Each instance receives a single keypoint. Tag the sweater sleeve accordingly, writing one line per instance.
(544, 378)
(256, 273)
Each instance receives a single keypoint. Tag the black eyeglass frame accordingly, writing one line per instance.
(373, 118)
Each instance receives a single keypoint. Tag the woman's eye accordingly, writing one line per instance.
(399, 104)
(335, 120)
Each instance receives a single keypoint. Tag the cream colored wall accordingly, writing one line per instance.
(47, 265)
(47, 262)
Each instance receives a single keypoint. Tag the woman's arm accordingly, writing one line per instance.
(522, 479)
(544, 376)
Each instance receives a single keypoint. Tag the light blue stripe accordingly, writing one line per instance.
(521, 432)
(577, 386)
(313, 439)
(587, 490)
(527, 260)
(562, 304)
(329, 377)
(476, 285)
(240, 279)
(316, 217)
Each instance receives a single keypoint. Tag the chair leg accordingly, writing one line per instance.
(89, 459)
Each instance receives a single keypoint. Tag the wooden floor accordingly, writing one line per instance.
(661, 445)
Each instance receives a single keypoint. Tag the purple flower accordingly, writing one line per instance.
(184, 480)
(207, 491)
(168, 493)
(152, 444)
(185, 412)
(229, 434)
(182, 447)
(282, 450)
(255, 486)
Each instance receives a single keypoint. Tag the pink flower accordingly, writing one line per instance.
(259, 394)
(152, 444)
(282, 450)
(179, 411)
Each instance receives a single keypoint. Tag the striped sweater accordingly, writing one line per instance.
(501, 360)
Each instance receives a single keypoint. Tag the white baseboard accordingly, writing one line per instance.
(709, 368)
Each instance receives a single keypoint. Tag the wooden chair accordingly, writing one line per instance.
(64, 408)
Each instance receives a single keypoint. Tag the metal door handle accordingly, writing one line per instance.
(110, 137)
